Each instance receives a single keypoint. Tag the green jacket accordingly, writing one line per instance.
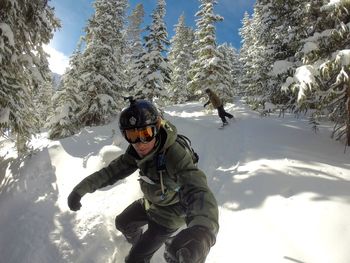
(214, 99)
(186, 199)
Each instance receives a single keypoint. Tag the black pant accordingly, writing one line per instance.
(222, 114)
(144, 245)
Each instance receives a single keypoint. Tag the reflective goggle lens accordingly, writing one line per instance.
(144, 134)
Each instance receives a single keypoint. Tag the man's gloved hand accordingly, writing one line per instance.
(191, 245)
(74, 201)
(205, 104)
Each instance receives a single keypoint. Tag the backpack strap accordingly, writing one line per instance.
(160, 160)
(161, 167)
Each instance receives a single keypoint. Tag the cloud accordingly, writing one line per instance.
(58, 62)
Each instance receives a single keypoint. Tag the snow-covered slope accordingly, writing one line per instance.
(283, 192)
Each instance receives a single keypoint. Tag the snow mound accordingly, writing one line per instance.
(108, 153)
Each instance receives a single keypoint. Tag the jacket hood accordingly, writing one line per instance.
(167, 135)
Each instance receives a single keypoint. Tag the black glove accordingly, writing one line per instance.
(191, 245)
(74, 201)
(205, 104)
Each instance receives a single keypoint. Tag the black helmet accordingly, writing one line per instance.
(139, 114)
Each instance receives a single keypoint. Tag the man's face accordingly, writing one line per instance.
(143, 149)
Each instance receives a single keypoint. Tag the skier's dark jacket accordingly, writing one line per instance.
(214, 99)
(187, 199)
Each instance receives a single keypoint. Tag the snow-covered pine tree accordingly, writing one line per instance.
(261, 52)
(102, 71)
(270, 40)
(64, 122)
(322, 82)
(247, 35)
(24, 27)
(303, 80)
(235, 67)
(230, 65)
(333, 89)
(153, 66)
(309, 41)
(284, 33)
(133, 42)
(337, 97)
(42, 97)
(303, 19)
(180, 57)
(206, 71)
(67, 101)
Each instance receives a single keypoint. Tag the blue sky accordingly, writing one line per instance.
(75, 13)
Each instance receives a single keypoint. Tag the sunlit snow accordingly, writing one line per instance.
(283, 192)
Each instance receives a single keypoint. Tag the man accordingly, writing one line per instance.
(217, 104)
(175, 191)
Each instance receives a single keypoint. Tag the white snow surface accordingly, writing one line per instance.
(283, 192)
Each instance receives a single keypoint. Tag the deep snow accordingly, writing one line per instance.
(283, 192)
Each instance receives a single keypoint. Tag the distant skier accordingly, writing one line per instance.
(175, 191)
(217, 104)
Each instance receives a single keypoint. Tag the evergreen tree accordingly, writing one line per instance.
(272, 36)
(24, 27)
(64, 123)
(102, 72)
(325, 55)
(233, 57)
(153, 67)
(306, 44)
(67, 101)
(230, 66)
(285, 30)
(42, 98)
(180, 57)
(247, 35)
(261, 51)
(133, 47)
(206, 70)
(337, 97)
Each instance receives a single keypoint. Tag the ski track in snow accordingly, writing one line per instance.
(270, 175)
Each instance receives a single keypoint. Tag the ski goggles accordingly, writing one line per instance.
(144, 134)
